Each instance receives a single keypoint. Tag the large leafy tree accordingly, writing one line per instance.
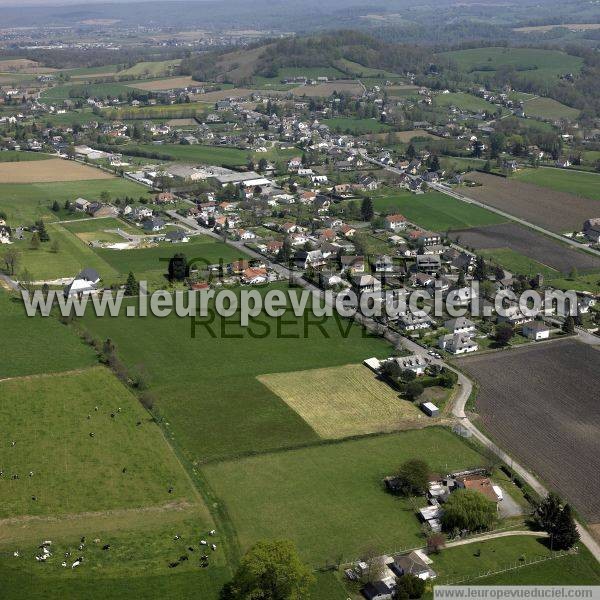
(470, 510)
(504, 333)
(178, 267)
(409, 587)
(413, 477)
(270, 570)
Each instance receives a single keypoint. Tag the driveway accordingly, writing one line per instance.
(509, 507)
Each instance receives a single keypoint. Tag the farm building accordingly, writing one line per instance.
(83, 283)
(430, 409)
(536, 330)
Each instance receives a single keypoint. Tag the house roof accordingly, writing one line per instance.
(480, 484)
(395, 219)
(175, 235)
(88, 275)
(375, 590)
(411, 564)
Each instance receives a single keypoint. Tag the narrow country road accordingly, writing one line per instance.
(464, 384)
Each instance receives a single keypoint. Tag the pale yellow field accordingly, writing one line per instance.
(23, 65)
(401, 136)
(326, 89)
(569, 26)
(343, 401)
(45, 171)
(164, 84)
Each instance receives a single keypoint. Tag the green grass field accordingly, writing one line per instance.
(471, 560)
(433, 210)
(547, 108)
(229, 157)
(330, 499)
(588, 282)
(518, 263)
(100, 224)
(206, 386)
(563, 180)
(535, 64)
(135, 566)
(21, 156)
(356, 126)
(358, 70)
(27, 351)
(581, 569)
(464, 101)
(151, 69)
(152, 262)
(25, 202)
(73, 255)
(47, 417)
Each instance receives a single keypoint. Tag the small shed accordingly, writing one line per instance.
(430, 409)
(373, 363)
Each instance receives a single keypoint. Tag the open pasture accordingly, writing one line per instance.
(464, 101)
(211, 155)
(150, 264)
(157, 68)
(10, 156)
(521, 240)
(523, 196)
(170, 83)
(433, 210)
(539, 403)
(142, 546)
(403, 137)
(206, 386)
(330, 499)
(547, 108)
(89, 444)
(31, 354)
(24, 203)
(471, 560)
(324, 90)
(344, 401)
(356, 126)
(73, 254)
(577, 183)
(45, 171)
(518, 263)
(532, 63)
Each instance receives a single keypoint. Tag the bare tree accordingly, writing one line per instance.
(11, 260)
(375, 565)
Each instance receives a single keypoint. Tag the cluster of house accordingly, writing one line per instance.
(389, 568)
(440, 490)
(591, 230)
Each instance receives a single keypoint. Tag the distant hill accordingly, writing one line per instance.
(338, 50)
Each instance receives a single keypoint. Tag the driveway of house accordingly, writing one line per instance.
(509, 507)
